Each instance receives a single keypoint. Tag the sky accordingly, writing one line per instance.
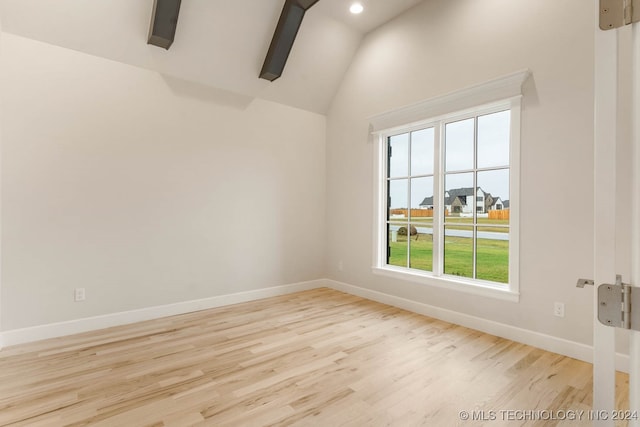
(492, 151)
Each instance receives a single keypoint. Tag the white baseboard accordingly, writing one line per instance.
(53, 330)
(546, 342)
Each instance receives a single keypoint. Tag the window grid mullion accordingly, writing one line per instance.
(474, 229)
(487, 169)
(408, 264)
(438, 198)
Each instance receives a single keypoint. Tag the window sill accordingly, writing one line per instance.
(473, 287)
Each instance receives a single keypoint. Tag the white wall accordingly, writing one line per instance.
(1, 102)
(147, 190)
(441, 46)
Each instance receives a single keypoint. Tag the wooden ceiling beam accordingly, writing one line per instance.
(283, 37)
(164, 21)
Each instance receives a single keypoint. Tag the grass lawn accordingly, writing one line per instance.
(422, 221)
(492, 259)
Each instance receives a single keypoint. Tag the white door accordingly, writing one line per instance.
(605, 134)
(634, 347)
(606, 181)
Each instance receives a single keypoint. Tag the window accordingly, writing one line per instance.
(448, 197)
(476, 161)
(410, 183)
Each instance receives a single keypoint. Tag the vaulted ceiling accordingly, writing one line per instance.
(219, 43)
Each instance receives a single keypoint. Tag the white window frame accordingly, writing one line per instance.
(500, 94)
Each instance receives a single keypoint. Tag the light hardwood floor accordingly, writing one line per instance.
(315, 358)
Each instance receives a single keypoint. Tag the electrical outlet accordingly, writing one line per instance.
(558, 309)
(340, 265)
(79, 294)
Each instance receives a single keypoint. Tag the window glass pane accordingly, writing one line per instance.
(422, 152)
(494, 187)
(492, 254)
(422, 221)
(458, 251)
(458, 195)
(397, 244)
(422, 194)
(399, 155)
(493, 139)
(421, 242)
(398, 192)
(459, 145)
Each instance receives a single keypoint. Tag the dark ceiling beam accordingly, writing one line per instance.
(164, 20)
(283, 38)
(306, 4)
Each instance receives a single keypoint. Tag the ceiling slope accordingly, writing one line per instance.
(218, 43)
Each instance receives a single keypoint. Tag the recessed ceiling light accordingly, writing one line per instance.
(356, 8)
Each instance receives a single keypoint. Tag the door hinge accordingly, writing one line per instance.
(618, 13)
(616, 305)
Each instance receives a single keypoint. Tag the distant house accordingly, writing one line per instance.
(427, 203)
(461, 201)
(498, 204)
